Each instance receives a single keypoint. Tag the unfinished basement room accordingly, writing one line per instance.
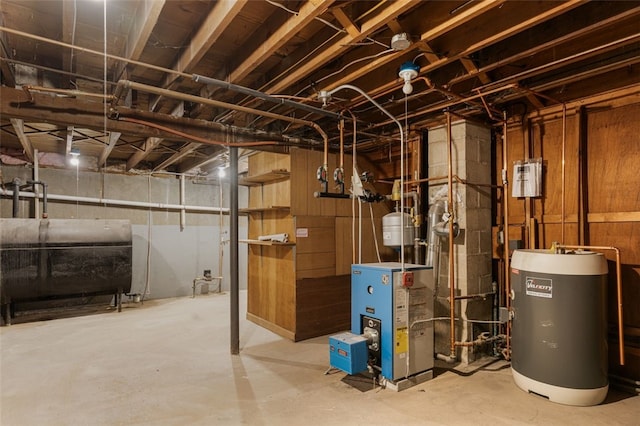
(319, 212)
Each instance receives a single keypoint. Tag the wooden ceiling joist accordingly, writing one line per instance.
(341, 45)
(113, 139)
(177, 156)
(144, 22)
(18, 127)
(209, 32)
(151, 143)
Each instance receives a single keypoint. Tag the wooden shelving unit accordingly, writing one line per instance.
(264, 177)
(267, 243)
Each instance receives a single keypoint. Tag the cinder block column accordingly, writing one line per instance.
(472, 210)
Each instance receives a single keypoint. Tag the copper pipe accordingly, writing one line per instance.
(452, 293)
(417, 181)
(505, 202)
(341, 127)
(618, 289)
(448, 104)
(196, 138)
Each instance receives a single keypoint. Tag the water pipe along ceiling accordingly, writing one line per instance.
(125, 81)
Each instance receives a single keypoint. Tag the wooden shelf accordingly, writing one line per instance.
(266, 243)
(272, 176)
(265, 209)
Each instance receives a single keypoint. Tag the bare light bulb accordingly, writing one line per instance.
(407, 88)
(221, 172)
(74, 161)
(408, 71)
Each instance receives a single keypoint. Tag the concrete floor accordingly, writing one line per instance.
(168, 363)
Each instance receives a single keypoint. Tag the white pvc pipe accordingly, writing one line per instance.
(127, 203)
(183, 212)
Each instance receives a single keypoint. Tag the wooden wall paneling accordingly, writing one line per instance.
(284, 280)
(278, 222)
(255, 197)
(344, 248)
(325, 306)
(315, 252)
(264, 162)
(613, 153)
(300, 177)
(515, 152)
(255, 292)
(255, 226)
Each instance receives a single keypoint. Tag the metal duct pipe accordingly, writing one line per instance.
(452, 281)
(257, 94)
(435, 216)
(16, 197)
(233, 250)
(130, 85)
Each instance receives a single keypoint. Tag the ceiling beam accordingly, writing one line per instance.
(177, 156)
(209, 32)
(448, 25)
(113, 139)
(342, 44)
(212, 154)
(18, 126)
(539, 18)
(8, 79)
(307, 13)
(471, 68)
(69, 139)
(151, 143)
(570, 37)
(346, 22)
(69, 22)
(146, 18)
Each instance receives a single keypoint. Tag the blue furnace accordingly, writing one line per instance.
(390, 316)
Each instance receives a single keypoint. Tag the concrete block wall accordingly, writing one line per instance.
(471, 160)
(176, 256)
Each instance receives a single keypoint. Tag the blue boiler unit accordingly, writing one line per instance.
(389, 309)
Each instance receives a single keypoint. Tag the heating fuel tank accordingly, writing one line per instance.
(43, 259)
(559, 328)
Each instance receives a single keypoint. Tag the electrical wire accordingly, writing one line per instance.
(375, 237)
(366, 58)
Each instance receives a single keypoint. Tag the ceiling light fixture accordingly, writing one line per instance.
(408, 71)
(75, 156)
(400, 41)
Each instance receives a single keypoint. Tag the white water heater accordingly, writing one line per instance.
(559, 329)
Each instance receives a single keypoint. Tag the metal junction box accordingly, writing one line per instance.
(393, 304)
(348, 352)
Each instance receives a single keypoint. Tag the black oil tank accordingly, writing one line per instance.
(60, 258)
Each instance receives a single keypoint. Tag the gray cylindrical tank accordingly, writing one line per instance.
(559, 329)
(392, 229)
